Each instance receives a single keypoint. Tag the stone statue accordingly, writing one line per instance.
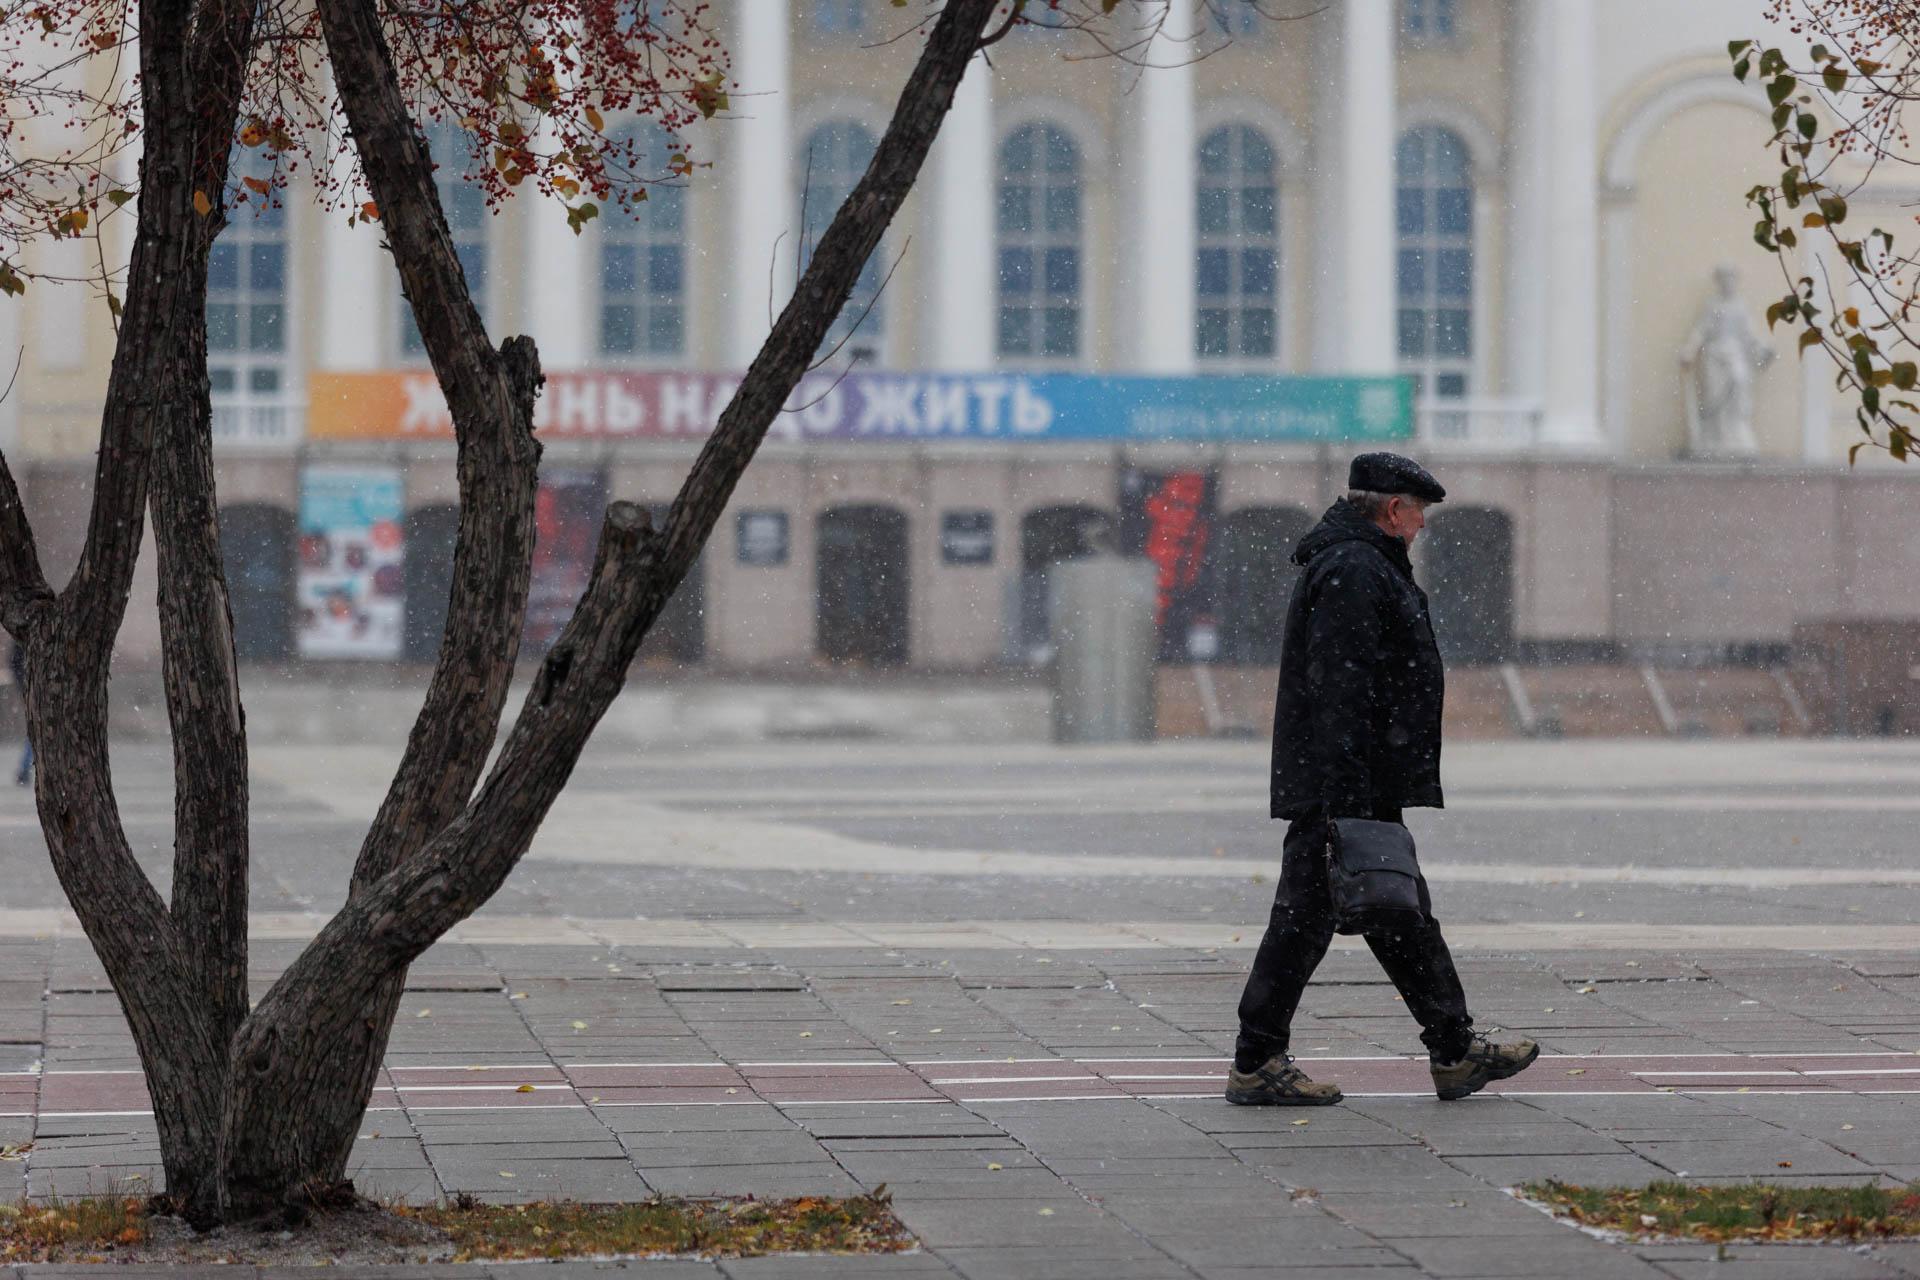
(1722, 357)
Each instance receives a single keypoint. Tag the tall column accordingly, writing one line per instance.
(1553, 280)
(1156, 317)
(561, 308)
(762, 173)
(356, 287)
(958, 321)
(1831, 279)
(1353, 141)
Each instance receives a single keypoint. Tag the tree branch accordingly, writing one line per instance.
(392, 920)
(490, 395)
(22, 583)
(211, 846)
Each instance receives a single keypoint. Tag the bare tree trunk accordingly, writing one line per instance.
(491, 396)
(446, 855)
(180, 975)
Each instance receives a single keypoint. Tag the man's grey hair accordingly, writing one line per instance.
(1374, 505)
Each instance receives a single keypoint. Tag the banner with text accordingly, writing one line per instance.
(407, 405)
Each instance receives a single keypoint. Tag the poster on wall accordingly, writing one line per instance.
(567, 511)
(351, 592)
(1169, 517)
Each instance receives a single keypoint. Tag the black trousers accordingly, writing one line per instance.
(1298, 934)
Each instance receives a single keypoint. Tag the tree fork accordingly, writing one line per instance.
(272, 1142)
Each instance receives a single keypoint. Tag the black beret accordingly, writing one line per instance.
(1391, 473)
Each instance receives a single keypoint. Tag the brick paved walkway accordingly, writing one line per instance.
(1055, 1114)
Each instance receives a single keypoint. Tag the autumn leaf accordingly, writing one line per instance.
(260, 185)
(253, 135)
(709, 95)
(593, 119)
(202, 205)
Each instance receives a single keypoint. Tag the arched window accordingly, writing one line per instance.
(466, 209)
(836, 155)
(1434, 216)
(1237, 271)
(1040, 245)
(643, 261)
(247, 313)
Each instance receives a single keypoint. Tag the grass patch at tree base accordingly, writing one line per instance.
(126, 1229)
(1748, 1211)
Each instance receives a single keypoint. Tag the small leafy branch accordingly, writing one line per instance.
(1837, 117)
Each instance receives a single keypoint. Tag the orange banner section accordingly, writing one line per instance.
(407, 404)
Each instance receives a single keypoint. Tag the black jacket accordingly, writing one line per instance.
(1356, 723)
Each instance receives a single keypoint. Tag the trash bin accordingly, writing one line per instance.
(1104, 642)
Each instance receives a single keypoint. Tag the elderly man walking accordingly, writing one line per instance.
(1356, 734)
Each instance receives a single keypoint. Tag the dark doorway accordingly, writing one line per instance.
(680, 632)
(1256, 580)
(1049, 535)
(1470, 583)
(860, 594)
(432, 533)
(256, 550)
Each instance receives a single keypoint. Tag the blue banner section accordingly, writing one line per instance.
(1068, 406)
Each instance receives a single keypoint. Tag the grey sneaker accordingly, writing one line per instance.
(1278, 1083)
(1484, 1062)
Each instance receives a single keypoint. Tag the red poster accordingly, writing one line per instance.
(567, 512)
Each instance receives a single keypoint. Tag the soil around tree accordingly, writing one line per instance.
(1750, 1212)
(128, 1230)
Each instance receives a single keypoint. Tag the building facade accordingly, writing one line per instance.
(1510, 210)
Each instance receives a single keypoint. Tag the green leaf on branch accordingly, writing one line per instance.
(1772, 62)
(10, 281)
(118, 198)
(1809, 337)
(1780, 88)
(1788, 238)
(1834, 208)
(1807, 125)
(1834, 78)
(1741, 68)
(1737, 47)
(1904, 374)
(1870, 399)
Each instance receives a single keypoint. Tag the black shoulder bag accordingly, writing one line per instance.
(1372, 876)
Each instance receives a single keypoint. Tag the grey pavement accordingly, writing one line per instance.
(844, 907)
